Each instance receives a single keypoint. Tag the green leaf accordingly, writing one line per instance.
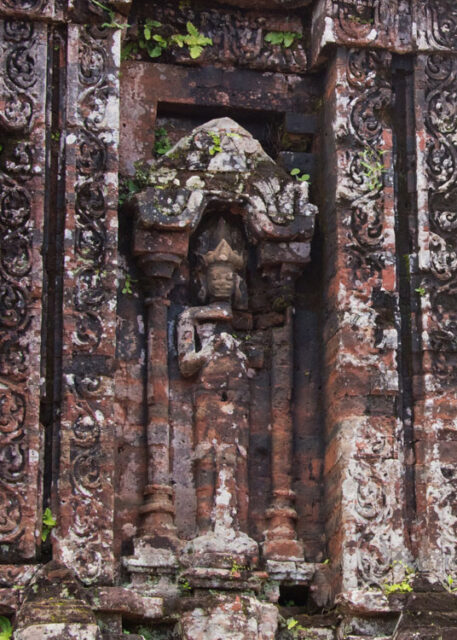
(288, 39)
(195, 51)
(48, 518)
(154, 23)
(295, 171)
(291, 623)
(192, 30)
(160, 40)
(147, 32)
(304, 178)
(275, 37)
(155, 52)
(6, 629)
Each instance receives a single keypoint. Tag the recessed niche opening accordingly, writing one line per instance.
(294, 595)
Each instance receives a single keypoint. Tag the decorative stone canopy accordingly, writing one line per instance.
(221, 164)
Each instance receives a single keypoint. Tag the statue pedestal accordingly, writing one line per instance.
(221, 548)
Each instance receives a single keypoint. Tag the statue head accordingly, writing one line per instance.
(222, 265)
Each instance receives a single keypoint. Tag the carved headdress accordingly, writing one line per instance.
(224, 254)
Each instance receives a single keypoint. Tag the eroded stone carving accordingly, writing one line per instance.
(216, 210)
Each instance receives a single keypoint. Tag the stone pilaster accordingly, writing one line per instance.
(364, 459)
(87, 453)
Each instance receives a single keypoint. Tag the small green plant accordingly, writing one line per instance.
(150, 41)
(184, 586)
(1, 148)
(298, 175)
(162, 142)
(131, 185)
(449, 584)
(420, 291)
(155, 43)
(127, 288)
(361, 20)
(372, 167)
(216, 148)
(49, 522)
(6, 629)
(112, 24)
(282, 38)
(145, 632)
(193, 39)
(236, 568)
(294, 627)
(55, 136)
(400, 587)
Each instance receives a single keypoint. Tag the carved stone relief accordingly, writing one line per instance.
(20, 288)
(217, 203)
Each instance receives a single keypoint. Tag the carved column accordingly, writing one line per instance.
(364, 458)
(157, 512)
(158, 255)
(281, 538)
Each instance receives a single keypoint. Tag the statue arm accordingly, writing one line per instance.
(190, 360)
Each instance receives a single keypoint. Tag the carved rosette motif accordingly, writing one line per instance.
(87, 438)
(367, 76)
(20, 221)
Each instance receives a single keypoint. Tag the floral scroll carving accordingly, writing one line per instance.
(20, 75)
(441, 23)
(367, 76)
(441, 163)
(86, 382)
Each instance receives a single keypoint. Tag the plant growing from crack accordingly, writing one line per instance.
(282, 38)
(448, 584)
(372, 167)
(130, 185)
(155, 43)
(127, 288)
(193, 39)
(162, 142)
(112, 24)
(298, 175)
(49, 522)
(400, 587)
(216, 148)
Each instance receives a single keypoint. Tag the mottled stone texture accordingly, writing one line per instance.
(364, 454)
(239, 412)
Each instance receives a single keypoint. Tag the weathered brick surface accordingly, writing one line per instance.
(303, 387)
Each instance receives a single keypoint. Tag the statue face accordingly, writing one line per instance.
(221, 281)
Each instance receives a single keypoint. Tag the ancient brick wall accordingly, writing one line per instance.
(227, 342)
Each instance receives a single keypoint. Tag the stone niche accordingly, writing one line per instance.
(221, 235)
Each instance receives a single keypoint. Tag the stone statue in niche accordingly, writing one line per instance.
(208, 350)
